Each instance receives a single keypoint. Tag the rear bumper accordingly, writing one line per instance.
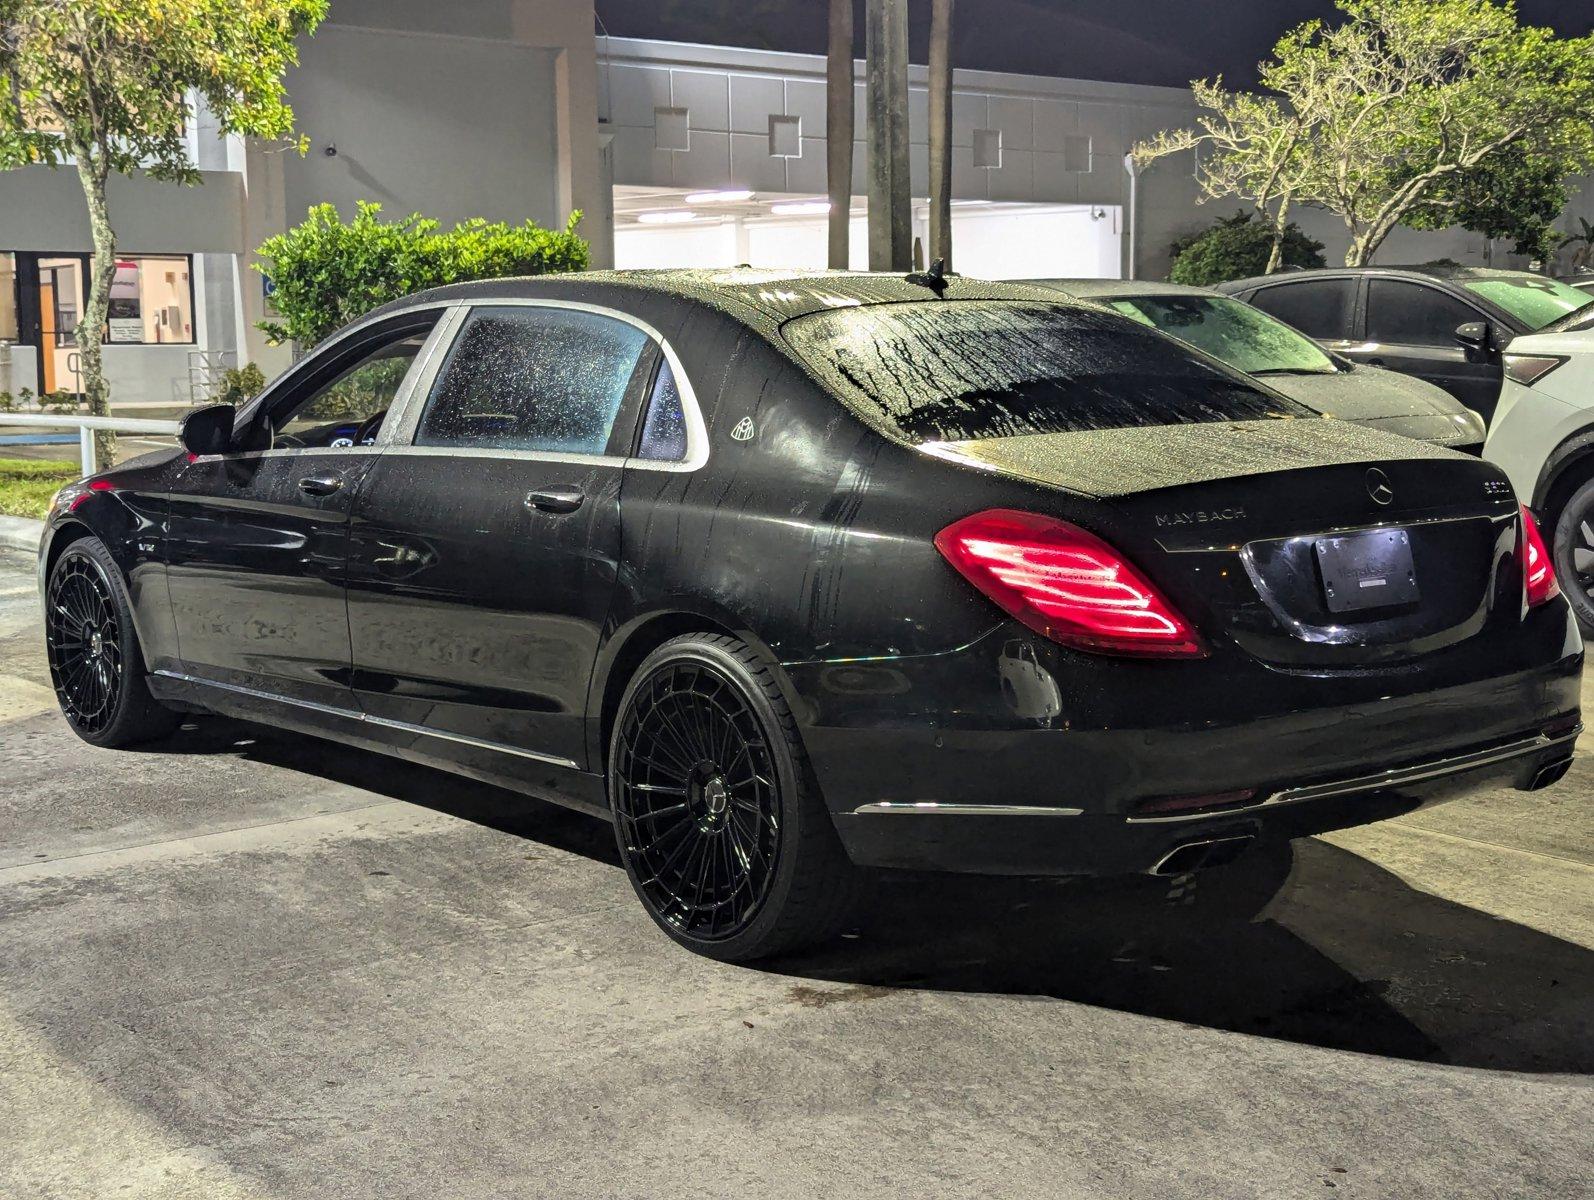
(1061, 840)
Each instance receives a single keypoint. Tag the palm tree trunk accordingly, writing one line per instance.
(941, 132)
(890, 203)
(839, 131)
(92, 172)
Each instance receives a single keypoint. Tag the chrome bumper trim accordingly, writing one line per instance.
(936, 808)
(1379, 780)
(349, 714)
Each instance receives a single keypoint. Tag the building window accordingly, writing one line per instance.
(1076, 154)
(785, 136)
(988, 148)
(152, 301)
(670, 128)
(8, 298)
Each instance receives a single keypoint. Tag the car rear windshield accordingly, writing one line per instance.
(963, 370)
(1244, 337)
(1533, 300)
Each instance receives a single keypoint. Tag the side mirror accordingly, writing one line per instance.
(1477, 339)
(207, 430)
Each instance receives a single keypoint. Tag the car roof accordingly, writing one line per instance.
(1092, 289)
(761, 298)
(1441, 271)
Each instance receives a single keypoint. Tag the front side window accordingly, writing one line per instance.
(347, 408)
(1244, 337)
(951, 371)
(1319, 308)
(1534, 301)
(523, 377)
(152, 301)
(1412, 314)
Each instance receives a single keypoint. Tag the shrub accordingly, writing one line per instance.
(8, 402)
(239, 385)
(327, 271)
(1235, 248)
(60, 401)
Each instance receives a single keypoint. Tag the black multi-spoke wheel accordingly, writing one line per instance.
(1572, 548)
(725, 841)
(93, 651)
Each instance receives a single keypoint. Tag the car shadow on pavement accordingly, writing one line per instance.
(1300, 941)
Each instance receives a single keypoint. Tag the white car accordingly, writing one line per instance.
(1542, 436)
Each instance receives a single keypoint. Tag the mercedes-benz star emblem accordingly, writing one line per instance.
(1378, 487)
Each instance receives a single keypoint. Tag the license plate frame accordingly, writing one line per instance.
(1367, 570)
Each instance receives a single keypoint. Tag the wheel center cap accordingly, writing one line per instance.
(96, 642)
(716, 796)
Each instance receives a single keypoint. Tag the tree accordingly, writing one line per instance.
(838, 131)
(1389, 111)
(1508, 195)
(941, 132)
(1238, 247)
(106, 86)
(328, 271)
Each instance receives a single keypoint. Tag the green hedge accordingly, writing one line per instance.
(1237, 247)
(327, 271)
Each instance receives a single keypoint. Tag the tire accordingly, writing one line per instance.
(1571, 542)
(96, 665)
(719, 822)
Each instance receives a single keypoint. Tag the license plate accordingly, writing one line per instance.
(1367, 570)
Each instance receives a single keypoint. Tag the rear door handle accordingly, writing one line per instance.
(320, 485)
(555, 499)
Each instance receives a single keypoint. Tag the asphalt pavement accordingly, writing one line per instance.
(243, 963)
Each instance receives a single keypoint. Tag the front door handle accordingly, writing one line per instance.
(320, 485)
(555, 499)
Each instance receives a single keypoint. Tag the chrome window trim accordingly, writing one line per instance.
(399, 436)
(364, 718)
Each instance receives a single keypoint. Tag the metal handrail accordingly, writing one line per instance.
(86, 427)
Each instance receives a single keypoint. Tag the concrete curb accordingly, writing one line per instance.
(21, 533)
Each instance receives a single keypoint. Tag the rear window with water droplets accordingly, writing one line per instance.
(965, 370)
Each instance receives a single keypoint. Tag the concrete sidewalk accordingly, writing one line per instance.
(20, 533)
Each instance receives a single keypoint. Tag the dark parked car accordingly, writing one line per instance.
(788, 574)
(1251, 341)
(1447, 325)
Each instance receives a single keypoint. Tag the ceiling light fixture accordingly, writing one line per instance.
(727, 197)
(674, 216)
(800, 208)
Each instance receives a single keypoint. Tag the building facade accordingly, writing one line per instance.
(675, 155)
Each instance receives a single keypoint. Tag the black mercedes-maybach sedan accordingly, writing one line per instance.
(788, 575)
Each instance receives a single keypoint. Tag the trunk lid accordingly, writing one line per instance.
(1247, 524)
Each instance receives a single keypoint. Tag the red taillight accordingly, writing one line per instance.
(1538, 573)
(1066, 584)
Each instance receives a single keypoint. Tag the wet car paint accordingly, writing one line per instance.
(812, 540)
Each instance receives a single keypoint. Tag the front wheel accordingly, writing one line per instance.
(1572, 548)
(722, 831)
(96, 665)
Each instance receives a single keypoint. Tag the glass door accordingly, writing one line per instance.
(61, 291)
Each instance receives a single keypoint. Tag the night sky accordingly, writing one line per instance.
(1168, 42)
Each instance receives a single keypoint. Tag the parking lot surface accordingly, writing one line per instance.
(242, 963)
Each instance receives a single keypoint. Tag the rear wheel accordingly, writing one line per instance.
(1572, 548)
(96, 665)
(722, 831)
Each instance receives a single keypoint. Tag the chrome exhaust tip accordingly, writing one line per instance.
(1201, 854)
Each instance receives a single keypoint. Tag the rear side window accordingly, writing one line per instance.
(958, 370)
(664, 428)
(1412, 314)
(532, 378)
(1319, 308)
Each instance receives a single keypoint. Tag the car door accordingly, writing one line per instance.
(1411, 328)
(1323, 308)
(485, 548)
(257, 539)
